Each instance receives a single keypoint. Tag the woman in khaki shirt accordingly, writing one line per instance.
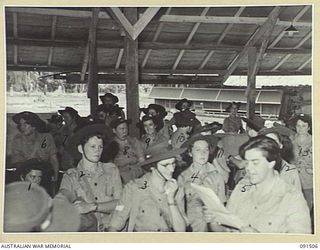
(262, 200)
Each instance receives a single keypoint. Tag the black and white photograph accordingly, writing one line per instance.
(159, 119)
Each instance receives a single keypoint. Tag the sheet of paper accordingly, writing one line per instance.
(213, 203)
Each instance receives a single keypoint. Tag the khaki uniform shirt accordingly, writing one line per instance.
(104, 185)
(152, 209)
(42, 148)
(208, 176)
(282, 210)
(303, 161)
(289, 173)
(152, 145)
(127, 159)
(178, 138)
(232, 124)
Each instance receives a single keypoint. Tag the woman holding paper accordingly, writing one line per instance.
(263, 201)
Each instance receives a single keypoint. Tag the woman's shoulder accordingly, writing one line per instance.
(72, 173)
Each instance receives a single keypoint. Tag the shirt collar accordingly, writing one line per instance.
(98, 171)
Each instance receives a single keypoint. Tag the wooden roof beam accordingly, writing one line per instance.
(154, 39)
(282, 61)
(135, 30)
(144, 20)
(304, 64)
(52, 11)
(307, 37)
(265, 28)
(53, 34)
(73, 68)
(296, 18)
(122, 20)
(190, 36)
(227, 19)
(105, 78)
(289, 55)
(224, 33)
(119, 58)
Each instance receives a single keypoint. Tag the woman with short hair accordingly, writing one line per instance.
(92, 187)
(302, 145)
(262, 200)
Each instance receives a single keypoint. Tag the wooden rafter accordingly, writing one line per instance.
(123, 20)
(222, 36)
(307, 37)
(227, 19)
(304, 64)
(283, 60)
(85, 60)
(296, 18)
(119, 58)
(190, 36)
(154, 39)
(144, 20)
(267, 26)
(53, 34)
(56, 12)
(135, 29)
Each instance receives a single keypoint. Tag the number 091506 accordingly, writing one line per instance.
(309, 245)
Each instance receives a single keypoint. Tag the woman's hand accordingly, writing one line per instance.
(171, 187)
(84, 207)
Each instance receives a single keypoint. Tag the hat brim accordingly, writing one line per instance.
(212, 140)
(115, 99)
(166, 154)
(178, 105)
(65, 217)
(280, 129)
(30, 117)
(73, 141)
(128, 121)
(205, 128)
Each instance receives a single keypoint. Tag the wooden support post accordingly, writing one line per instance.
(251, 84)
(93, 71)
(132, 73)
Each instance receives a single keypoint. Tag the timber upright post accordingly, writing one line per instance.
(93, 71)
(251, 82)
(132, 73)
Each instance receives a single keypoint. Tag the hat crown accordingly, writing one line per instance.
(26, 206)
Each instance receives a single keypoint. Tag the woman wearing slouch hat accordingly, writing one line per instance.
(32, 143)
(149, 204)
(92, 187)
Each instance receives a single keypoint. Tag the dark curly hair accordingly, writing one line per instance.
(266, 145)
